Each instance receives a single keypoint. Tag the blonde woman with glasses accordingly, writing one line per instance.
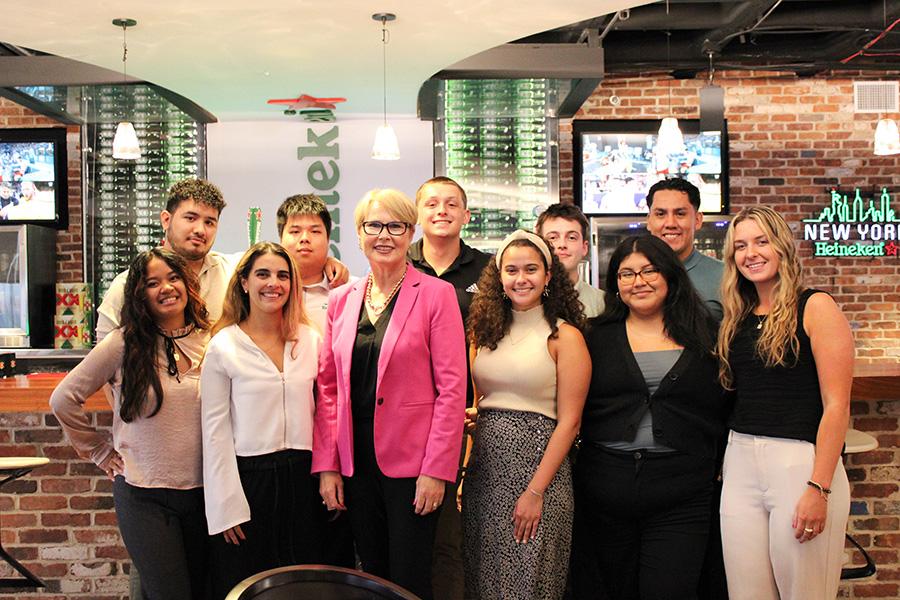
(392, 395)
(787, 350)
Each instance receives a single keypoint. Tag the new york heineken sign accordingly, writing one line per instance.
(858, 227)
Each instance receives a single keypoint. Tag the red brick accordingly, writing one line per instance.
(43, 536)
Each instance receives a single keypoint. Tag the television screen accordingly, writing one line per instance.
(33, 177)
(616, 162)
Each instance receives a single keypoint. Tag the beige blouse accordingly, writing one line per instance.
(159, 451)
(519, 374)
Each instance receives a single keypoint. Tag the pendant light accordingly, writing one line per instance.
(125, 144)
(887, 138)
(670, 139)
(385, 146)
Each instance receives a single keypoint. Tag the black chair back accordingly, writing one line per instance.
(317, 582)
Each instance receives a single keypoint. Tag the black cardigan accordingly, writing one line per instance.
(689, 408)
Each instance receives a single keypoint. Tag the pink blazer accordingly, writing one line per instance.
(421, 387)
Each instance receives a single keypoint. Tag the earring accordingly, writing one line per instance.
(546, 291)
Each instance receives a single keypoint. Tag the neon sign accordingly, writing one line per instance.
(857, 228)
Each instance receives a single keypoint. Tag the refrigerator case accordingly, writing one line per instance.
(608, 232)
(27, 279)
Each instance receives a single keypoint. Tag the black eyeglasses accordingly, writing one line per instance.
(648, 274)
(394, 228)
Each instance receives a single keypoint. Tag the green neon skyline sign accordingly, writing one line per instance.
(861, 227)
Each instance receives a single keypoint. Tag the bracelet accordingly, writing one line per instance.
(824, 491)
(538, 494)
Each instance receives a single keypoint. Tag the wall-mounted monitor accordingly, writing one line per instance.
(616, 162)
(33, 184)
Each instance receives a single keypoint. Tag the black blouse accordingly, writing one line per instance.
(364, 362)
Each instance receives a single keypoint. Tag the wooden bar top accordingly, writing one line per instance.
(31, 393)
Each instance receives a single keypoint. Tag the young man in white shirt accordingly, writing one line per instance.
(566, 228)
(304, 228)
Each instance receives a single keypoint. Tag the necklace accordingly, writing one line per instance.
(172, 354)
(377, 309)
(760, 319)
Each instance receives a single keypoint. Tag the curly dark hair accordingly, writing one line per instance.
(685, 316)
(491, 313)
(198, 190)
(140, 331)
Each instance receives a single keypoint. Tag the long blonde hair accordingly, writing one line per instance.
(237, 303)
(778, 343)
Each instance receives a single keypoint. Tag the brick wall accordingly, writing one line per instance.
(58, 521)
(69, 265)
(790, 139)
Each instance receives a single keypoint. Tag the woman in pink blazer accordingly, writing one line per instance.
(391, 398)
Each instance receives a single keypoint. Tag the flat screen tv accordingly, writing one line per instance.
(616, 162)
(33, 186)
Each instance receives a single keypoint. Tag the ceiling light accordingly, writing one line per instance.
(125, 144)
(887, 138)
(385, 146)
(670, 140)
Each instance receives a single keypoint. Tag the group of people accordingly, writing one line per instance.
(271, 414)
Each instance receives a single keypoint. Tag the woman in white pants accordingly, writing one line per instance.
(787, 351)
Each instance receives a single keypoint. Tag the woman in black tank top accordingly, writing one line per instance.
(788, 353)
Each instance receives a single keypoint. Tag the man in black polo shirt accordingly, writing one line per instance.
(442, 207)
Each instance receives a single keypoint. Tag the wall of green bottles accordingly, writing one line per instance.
(499, 143)
(128, 195)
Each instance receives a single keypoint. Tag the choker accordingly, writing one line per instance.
(172, 355)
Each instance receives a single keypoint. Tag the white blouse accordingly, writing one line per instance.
(249, 408)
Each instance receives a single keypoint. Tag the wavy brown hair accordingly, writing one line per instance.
(491, 313)
(237, 303)
(140, 372)
(778, 343)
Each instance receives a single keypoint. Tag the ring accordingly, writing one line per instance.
(434, 505)
(809, 530)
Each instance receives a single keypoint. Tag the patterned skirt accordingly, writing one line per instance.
(508, 448)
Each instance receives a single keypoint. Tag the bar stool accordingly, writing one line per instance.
(321, 582)
(855, 443)
(12, 468)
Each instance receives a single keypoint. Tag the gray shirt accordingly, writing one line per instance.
(705, 273)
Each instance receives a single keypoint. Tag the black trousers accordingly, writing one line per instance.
(392, 541)
(284, 527)
(641, 524)
(165, 533)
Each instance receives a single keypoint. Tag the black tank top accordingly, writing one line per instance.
(779, 401)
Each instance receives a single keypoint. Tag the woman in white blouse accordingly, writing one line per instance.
(257, 414)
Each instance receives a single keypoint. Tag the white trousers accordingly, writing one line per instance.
(763, 478)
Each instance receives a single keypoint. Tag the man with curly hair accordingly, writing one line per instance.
(190, 221)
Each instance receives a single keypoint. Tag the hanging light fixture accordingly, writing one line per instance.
(887, 138)
(670, 140)
(385, 146)
(125, 144)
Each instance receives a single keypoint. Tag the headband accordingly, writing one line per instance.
(521, 234)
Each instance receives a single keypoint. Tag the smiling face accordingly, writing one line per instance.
(567, 241)
(442, 212)
(674, 220)
(754, 255)
(268, 286)
(523, 276)
(642, 297)
(165, 294)
(384, 249)
(306, 238)
(190, 229)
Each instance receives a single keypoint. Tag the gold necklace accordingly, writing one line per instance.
(377, 309)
